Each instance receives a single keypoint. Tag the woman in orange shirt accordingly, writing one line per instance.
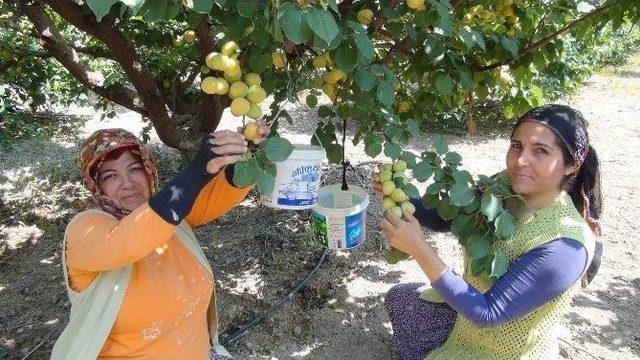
(139, 283)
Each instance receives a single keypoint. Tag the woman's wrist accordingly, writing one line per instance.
(430, 263)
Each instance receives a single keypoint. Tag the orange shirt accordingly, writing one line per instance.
(164, 311)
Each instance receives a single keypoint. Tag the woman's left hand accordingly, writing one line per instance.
(406, 236)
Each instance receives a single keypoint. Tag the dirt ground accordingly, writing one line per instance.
(259, 254)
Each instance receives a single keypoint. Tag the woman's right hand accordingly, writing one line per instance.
(228, 147)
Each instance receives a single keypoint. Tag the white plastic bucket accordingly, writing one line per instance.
(339, 220)
(298, 179)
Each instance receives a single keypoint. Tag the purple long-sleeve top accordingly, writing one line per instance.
(532, 280)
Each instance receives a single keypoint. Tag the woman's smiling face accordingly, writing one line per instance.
(535, 162)
(124, 180)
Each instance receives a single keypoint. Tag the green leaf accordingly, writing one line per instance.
(246, 8)
(100, 8)
(135, 5)
(444, 84)
(412, 127)
(422, 171)
(505, 225)
(202, 6)
(446, 210)
(277, 149)
(324, 112)
(466, 79)
(365, 46)
(411, 191)
(462, 226)
(265, 181)
(477, 265)
(394, 256)
(474, 206)
(430, 201)
(346, 57)
(440, 144)
(436, 187)
(444, 18)
(334, 153)
(323, 24)
(409, 158)
(154, 10)
(392, 150)
(477, 246)
(452, 158)
(510, 45)
(311, 100)
(386, 94)
(372, 145)
(3, 352)
(490, 206)
(462, 176)
(365, 79)
(245, 172)
(499, 265)
(537, 94)
(461, 194)
(466, 35)
(172, 10)
(294, 23)
(259, 62)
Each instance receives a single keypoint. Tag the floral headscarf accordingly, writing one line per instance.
(93, 153)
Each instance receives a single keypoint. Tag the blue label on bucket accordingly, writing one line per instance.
(354, 229)
(302, 188)
(297, 202)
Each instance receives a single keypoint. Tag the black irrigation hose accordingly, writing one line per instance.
(244, 329)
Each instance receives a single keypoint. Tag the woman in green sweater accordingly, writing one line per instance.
(556, 243)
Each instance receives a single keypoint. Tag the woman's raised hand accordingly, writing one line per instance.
(227, 148)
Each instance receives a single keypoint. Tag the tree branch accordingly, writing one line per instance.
(124, 53)
(550, 37)
(53, 42)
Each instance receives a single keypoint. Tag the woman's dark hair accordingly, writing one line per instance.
(570, 130)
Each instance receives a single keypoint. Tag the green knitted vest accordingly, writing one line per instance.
(531, 336)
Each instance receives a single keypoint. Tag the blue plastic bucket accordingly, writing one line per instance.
(339, 219)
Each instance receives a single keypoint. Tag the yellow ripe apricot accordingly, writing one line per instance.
(209, 85)
(398, 195)
(238, 90)
(229, 48)
(279, 59)
(254, 111)
(252, 79)
(240, 107)
(251, 131)
(416, 4)
(408, 207)
(189, 36)
(388, 187)
(256, 94)
(365, 16)
(387, 203)
(396, 211)
(319, 62)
